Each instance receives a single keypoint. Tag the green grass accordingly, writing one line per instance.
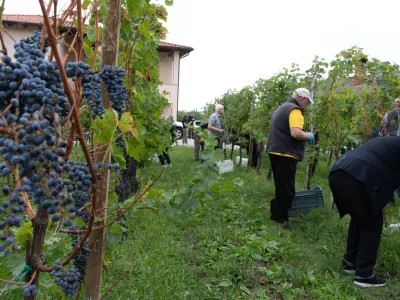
(230, 250)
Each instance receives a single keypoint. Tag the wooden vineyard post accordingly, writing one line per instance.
(259, 161)
(309, 173)
(250, 156)
(110, 41)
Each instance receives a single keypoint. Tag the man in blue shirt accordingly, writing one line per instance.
(215, 125)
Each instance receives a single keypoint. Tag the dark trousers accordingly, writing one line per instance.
(219, 146)
(164, 157)
(197, 146)
(284, 170)
(365, 230)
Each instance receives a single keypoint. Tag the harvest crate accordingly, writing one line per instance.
(306, 201)
(244, 161)
(225, 166)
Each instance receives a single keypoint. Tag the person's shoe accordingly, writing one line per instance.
(370, 283)
(347, 269)
(164, 166)
(169, 166)
(287, 225)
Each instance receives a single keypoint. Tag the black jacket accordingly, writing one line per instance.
(204, 126)
(185, 123)
(280, 139)
(376, 164)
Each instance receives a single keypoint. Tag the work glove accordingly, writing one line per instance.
(310, 137)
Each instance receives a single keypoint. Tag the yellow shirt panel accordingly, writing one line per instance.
(296, 119)
(283, 154)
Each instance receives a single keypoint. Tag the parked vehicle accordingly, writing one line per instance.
(196, 123)
(179, 129)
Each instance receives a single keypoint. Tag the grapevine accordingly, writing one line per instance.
(113, 78)
(69, 282)
(30, 150)
(91, 85)
(29, 290)
(92, 93)
(41, 182)
(31, 95)
(80, 199)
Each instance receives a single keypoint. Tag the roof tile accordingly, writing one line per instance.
(26, 19)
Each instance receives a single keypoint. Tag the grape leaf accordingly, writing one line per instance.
(225, 283)
(114, 234)
(16, 263)
(24, 233)
(112, 196)
(90, 34)
(118, 155)
(134, 7)
(86, 3)
(126, 124)
(79, 222)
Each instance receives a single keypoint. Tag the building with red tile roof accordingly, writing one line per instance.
(20, 26)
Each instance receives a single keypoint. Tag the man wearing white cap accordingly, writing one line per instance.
(286, 145)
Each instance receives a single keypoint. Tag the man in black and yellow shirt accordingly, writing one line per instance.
(286, 144)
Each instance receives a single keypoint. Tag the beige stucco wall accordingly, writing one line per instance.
(172, 97)
(166, 68)
(169, 75)
(17, 32)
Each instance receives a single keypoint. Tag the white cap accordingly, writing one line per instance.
(302, 92)
(218, 107)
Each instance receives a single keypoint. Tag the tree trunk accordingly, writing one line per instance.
(240, 155)
(259, 161)
(307, 177)
(336, 153)
(110, 42)
(313, 166)
(224, 149)
(269, 175)
(250, 154)
(330, 157)
(233, 148)
(36, 257)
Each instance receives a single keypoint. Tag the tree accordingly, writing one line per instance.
(109, 57)
(237, 111)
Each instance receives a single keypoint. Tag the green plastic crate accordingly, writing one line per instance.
(306, 201)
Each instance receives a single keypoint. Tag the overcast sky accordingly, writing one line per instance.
(237, 42)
